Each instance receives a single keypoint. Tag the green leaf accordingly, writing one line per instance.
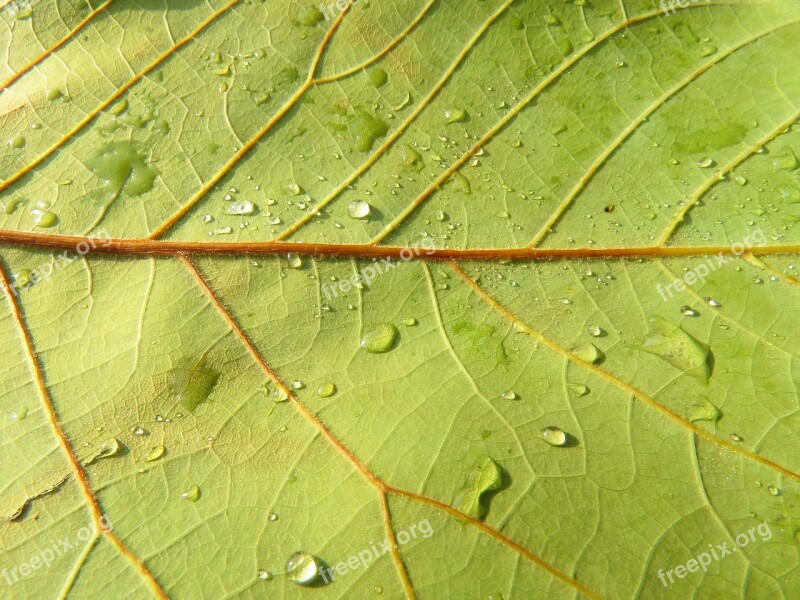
(413, 298)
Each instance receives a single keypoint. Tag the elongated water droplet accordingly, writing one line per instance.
(485, 476)
(326, 390)
(263, 575)
(455, 115)
(245, 207)
(295, 260)
(589, 352)
(595, 331)
(302, 568)
(192, 494)
(509, 395)
(43, 218)
(688, 311)
(705, 163)
(192, 381)
(155, 454)
(703, 410)
(377, 76)
(712, 302)
(379, 338)
(578, 389)
(358, 209)
(554, 436)
(678, 348)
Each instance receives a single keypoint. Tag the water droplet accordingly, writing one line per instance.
(22, 278)
(244, 207)
(310, 16)
(279, 395)
(295, 260)
(455, 115)
(18, 415)
(366, 129)
(379, 338)
(509, 395)
(409, 322)
(678, 348)
(554, 436)
(272, 517)
(736, 437)
(703, 410)
(485, 476)
(786, 159)
(578, 389)
(192, 381)
(774, 491)
(302, 568)
(18, 141)
(43, 218)
(595, 331)
(358, 209)
(192, 494)
(122, 166)
(705, 163)
(263, 575)
(688, 311)
(589, 353)
(326, 390)
(712, 302)
(155, 454)
(377, 76)
(378, 589)
(707, 50)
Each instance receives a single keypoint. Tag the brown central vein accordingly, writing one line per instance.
(61, 437)
(148, 247)
(638, 394)
(381, 487)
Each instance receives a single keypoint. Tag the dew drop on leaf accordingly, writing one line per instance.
(379, 338)
(326, 390)
(192, 494)
(302, 568)
(155, 454)
(678, 348)
(192, 382)
(595, 331)
(554, 436)
(578, 389)
(589, 353)
(509, 395)
(485, 476)
(688, 311)
(358, 209)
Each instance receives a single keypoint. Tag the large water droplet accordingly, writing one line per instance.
(43, 218)
(589, 352)
(192, 381)
(377, 76)
(678, 348)
(192, 494)
(554, 436)
(702, 410)
(358, 209)
(302, 568)
(244, 207)
(486, 475)
(155, 454)
(122, 166)
(326, 390)
(379, 338)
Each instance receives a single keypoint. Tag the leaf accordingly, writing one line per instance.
(208, 208)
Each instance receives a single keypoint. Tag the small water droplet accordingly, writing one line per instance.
(358, 209)
(139, 431)
(263, 575)
(155, 454)
(589, 353)
(554, 436)
(736, 437)
(409, 322)
(595, 331)
(678, 348)
(688, 311)
(43, 218)
(244, 207)
(192, 494)
(326, 390)
(379, 338)
(485, 476)
(509, 395)
(272, 517)
(712, 302)
(705, 163)
(295, 260)
(774, 491)
(578, 389)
